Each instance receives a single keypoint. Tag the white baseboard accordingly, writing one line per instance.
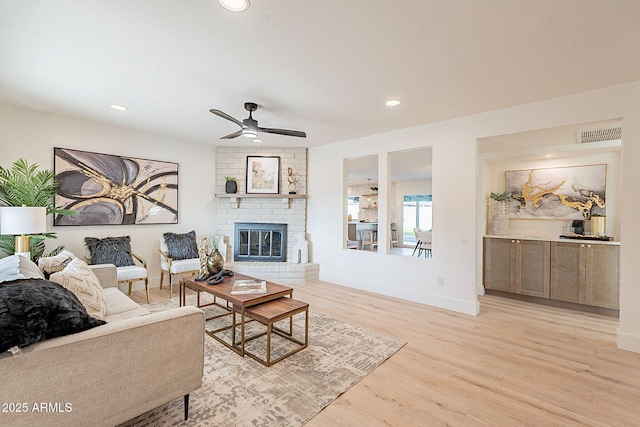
(628, 342)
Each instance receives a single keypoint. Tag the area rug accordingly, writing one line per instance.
(238, 391)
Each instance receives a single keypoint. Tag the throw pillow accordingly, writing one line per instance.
(82, 281)
(181, 246)
(110, 250)
(33, 310)
(16, 267)
(55, 263)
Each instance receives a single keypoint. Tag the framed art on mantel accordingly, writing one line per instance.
(114, 190)
(263, 175)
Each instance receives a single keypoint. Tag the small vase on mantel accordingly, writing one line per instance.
(500, 221)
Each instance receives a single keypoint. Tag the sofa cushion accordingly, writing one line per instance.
(120, 306)
(80, 279)
(110, 250)
(55, 263)
(16, 267)
(181, 246)
(33, 310)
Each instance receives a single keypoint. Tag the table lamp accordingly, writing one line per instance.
(22, 221)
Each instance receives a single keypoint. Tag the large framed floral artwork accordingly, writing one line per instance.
(572, 192)
(107, 189)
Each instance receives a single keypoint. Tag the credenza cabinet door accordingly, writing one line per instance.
(532, 267)
(499, 257)
(568, 272)
(602, 276)
(516, 265)
(585, 273)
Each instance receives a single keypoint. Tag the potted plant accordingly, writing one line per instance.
(230, 185)
(25, 185)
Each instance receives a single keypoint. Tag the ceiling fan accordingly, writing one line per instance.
(249, 127)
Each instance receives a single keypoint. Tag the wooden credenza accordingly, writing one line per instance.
(583, 272)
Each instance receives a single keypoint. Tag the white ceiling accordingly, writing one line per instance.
(325, 67)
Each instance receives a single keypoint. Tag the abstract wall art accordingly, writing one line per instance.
(108, 189)
(574, 192)
(263, 174)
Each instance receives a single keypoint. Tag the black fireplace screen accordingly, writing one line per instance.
(260, 242)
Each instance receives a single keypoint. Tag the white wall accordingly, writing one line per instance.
(459, 205)
(32, 135)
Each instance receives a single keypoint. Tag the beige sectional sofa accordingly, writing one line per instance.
(109, 374)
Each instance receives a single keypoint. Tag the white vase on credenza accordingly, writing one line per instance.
(500, 221)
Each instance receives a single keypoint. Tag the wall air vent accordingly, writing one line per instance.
(599, 135)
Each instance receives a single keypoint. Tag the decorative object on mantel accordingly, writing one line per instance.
(500, 221)
(263, 174)
(231, 186)
(572, 192)
(293, 178)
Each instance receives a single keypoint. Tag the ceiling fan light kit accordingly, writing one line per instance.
(235, 5)
(249, 126)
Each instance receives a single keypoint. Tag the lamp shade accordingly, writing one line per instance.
(23, 220)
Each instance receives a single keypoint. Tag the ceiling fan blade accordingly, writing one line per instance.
(232, 135)
(226, 116)
(286, 132)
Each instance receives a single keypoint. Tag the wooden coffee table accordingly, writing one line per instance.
(239, 302)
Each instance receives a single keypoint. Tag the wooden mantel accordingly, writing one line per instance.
(239, 196)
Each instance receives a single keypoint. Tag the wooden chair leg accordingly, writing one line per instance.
(130, 283)
(161, 278)
(146, 287)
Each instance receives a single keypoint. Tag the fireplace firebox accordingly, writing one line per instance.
(260, 242)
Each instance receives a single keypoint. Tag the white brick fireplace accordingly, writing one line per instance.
(232, 161)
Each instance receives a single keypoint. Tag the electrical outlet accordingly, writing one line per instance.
(441, 281)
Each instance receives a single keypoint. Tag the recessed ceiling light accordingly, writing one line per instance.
(118, 107)
(392, 103)
(548, 156)
(235, 5)
(257, 140)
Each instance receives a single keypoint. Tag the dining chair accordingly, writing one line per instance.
(425, 243)
(394, 235)
(415, 233)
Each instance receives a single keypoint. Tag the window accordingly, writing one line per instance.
(353, 207)
(416, 213)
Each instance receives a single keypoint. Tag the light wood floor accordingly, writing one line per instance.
(515, 364)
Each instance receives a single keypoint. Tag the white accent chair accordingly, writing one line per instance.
(172, 266)
(130, 273)
(134, 273)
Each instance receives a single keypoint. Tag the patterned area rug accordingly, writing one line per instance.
(238, 391)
